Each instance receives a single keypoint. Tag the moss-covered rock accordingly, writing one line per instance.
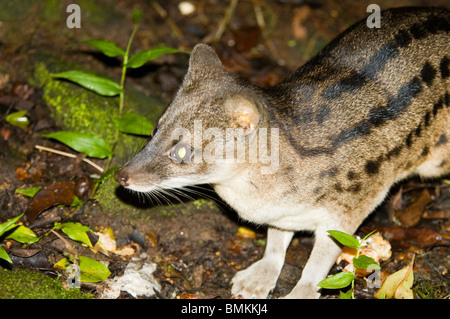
(77, 109)
(25, 284)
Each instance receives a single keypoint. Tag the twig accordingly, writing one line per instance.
(52, 150)
(66, 243)
(257, 5)
(225, 21)
(163, 14)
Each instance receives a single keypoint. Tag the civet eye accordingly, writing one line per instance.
(181, 153)
(155, 129)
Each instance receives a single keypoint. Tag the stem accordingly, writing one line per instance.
(124, 70)
(122, 94)
(357, 256)
(354, 270)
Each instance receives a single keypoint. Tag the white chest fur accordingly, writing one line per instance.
(260, 209)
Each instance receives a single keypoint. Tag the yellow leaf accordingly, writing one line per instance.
(244, 232)
(398, 285)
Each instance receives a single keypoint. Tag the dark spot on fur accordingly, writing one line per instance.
(402, 38)
(428, 73)
(317, 190)
(444, 67)
(372, 167)
(442, 140)
(356, 188)
(418, 130)
(379, 59)
(408, 165)
(318, 199)
(435, 23)
(418, 31)
(351, 175)
(426, 119)
(314, 151)
(425, 151)
(349, 134)
(322, 113)
(338, 187)
(394, 152)
(350, 83)
(437, 106)
(333, 171)
(409, 140)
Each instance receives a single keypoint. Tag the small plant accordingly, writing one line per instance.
(345, 278)
(19, 233)
(130, 123)
(90, 270)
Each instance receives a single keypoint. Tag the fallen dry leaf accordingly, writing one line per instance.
(245, 232)
(299, 19)
(398, 285)
(436, 214)
(412, 214)
(401, 237)
(59, 193)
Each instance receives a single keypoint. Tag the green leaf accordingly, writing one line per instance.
(108, 48)
(338, 281)
(76, 201)
(140, 58)
(7, 225)
(363, 262)
(132, 123)
(91, 82)
(75, 231)
(92, 270)
(88, 144)
(23, 234)
(4, 255)
(18, 119)
(30, 192)
(62, 264)
(344, 239)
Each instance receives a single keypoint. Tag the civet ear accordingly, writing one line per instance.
(203, 59)
(244, 113)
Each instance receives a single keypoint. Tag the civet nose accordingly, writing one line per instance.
(122, 177)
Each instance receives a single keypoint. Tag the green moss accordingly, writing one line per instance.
(80, 110)
(106, 196)
(25, 284)
(77, 109)
(14, 10)
(204, 203)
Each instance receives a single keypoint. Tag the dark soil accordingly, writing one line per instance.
(196, 244)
